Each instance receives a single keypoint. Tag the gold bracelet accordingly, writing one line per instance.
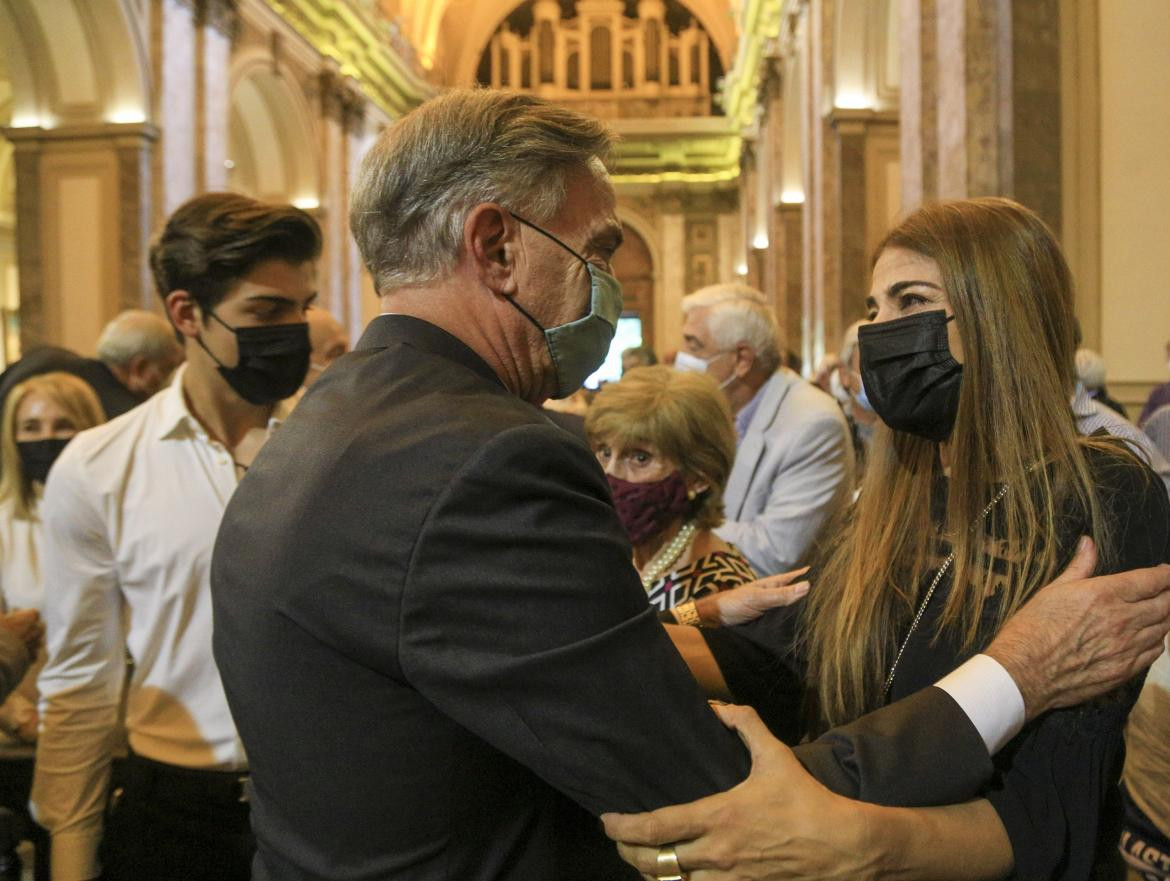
(687, 613)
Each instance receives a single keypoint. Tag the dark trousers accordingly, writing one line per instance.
(15, 784)
(177, 824)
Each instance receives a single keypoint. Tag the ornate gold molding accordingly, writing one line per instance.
(760, 24)
(700, 150)
(366, 47)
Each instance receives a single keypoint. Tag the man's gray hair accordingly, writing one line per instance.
(1090, 369)
(137, 332)
(738, 314)
(461, 149)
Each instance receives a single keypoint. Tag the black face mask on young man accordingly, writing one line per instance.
(910, 376)
(273, 360)
(37, 457)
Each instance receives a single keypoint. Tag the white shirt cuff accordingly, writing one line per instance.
(986, 692)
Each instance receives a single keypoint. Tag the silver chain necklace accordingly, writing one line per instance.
(942, 570)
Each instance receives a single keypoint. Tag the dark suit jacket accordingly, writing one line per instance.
(116, 398)
(438, 655)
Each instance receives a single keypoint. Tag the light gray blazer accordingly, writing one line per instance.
(793, 470)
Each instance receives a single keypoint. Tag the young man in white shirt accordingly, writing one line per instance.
(131, 510)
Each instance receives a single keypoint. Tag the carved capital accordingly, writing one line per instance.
(341, 100)
(222, 15)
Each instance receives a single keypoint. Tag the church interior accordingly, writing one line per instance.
(769, 141)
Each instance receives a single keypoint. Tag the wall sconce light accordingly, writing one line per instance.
(125, 116)
(849, 99)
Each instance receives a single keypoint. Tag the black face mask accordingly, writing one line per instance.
(274, 359)
(909, 375)
(37, 457)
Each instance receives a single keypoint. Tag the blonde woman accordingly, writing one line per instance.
(40, 417)
(665, 441)
(977, 493)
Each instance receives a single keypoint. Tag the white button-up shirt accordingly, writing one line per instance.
(131, 510)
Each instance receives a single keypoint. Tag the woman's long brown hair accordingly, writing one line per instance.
(1011, 292)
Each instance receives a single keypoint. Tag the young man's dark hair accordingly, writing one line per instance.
(213, 240)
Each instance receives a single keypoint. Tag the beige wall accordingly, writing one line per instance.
(1135, 190)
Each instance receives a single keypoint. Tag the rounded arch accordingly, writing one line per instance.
(272, 137)
(74, 62)
(637, 266)
(645, 228)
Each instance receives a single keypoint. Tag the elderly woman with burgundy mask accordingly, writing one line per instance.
(666, 443)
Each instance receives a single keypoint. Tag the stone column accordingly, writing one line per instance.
(850, 126)
(749, 182)
(998, 101)
(669, 294)
(217, 22)
(342, 105)
(822, 214)
(768, 189)
(83, 196)
(788, 245)
(348, 302)
(727, 227)
(175, 111)
(919, 102)
(867, 142)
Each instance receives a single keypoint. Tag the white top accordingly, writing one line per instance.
(131, 510)
(21, 587)
(20, 560)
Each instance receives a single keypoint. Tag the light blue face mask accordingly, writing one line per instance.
(579, 347)
(863, 398)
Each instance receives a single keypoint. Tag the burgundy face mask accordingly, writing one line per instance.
(646, 509)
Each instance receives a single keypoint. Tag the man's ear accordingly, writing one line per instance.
(745, 359)
(184, 313)
(490, 239)
(137, 366)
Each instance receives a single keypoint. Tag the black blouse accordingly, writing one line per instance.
(1052, 780)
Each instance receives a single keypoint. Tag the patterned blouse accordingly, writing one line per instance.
(719, 570)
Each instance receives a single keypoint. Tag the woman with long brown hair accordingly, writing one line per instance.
(977, 491)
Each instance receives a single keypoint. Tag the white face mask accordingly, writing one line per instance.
(837, 389)
(688, 363)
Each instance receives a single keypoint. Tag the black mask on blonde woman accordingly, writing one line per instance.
(37, 457)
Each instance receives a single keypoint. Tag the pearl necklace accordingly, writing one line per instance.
(662, 561)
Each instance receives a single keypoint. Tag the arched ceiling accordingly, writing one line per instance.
(74, 61)
(446, 33)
